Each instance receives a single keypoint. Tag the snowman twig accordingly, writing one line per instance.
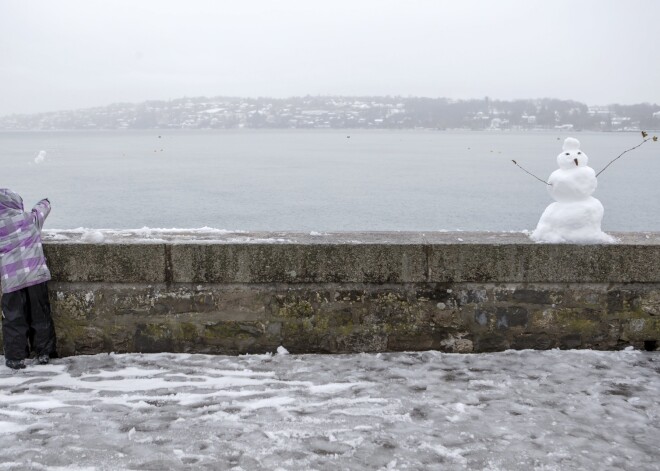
(529, 173)
(646, 139)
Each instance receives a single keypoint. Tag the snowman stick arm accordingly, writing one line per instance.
(622, 154)
(529, 173)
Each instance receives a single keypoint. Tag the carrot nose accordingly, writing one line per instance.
(576, 162)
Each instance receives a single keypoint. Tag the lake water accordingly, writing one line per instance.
(311, 180)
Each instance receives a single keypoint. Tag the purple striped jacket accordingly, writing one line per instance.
(22, 261)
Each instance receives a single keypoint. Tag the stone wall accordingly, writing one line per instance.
(354, 292)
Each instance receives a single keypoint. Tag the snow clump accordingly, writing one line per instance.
(95, 237)
(40, 157)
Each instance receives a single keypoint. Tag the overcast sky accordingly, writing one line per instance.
(77, 53)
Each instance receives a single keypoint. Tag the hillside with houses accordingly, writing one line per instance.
(337, 112)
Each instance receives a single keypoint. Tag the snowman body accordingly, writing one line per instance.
(575, 216)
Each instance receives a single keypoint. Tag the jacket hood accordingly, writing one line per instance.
(10, 203)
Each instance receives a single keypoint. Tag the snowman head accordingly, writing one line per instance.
(572, 156)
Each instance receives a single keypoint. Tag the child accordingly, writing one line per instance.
(26, 319)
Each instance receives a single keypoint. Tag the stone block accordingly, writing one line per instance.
(540, 341)
(512, 316)
(109, 263)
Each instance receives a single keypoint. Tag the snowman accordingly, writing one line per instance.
(575, 216)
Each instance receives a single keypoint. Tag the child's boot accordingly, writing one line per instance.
(15, 364)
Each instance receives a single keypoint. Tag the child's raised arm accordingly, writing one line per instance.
(40, 212)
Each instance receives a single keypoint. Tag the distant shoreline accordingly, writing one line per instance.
(346, 113)
(334, 130)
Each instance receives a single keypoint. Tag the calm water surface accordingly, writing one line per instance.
(319, 180)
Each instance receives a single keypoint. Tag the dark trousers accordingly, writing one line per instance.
(27, 324)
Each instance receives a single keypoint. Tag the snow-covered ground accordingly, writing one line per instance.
(554, 410)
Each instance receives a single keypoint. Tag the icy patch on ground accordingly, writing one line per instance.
(555, 410)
